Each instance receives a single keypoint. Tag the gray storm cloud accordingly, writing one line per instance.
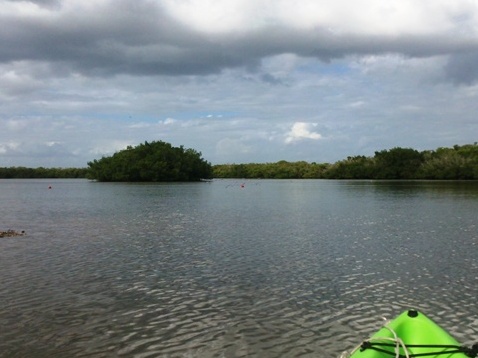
(239, 80)
(142, 38)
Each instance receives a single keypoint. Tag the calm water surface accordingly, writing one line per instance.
(271, 269)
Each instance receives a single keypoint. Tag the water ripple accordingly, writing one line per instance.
(287, 269)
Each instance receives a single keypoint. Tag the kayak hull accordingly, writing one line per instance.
(412, 328)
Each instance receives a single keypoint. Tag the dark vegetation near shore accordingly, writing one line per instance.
(42, 173)
(159, 161)
(457, 163)
(154, 162)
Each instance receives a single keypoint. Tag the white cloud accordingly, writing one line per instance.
(356, 104)
(108, 147)
(169, 121)
(5, 148)
(140, 125)
(302, 130)
(391, 17)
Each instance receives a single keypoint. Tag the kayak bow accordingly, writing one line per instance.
(412, 334)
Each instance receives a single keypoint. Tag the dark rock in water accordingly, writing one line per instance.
(11, 233)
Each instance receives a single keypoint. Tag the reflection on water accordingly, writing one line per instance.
(271, 269)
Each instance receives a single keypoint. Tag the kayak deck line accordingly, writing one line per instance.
(453, 349)
(409, 335)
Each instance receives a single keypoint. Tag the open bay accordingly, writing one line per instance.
(229, 268)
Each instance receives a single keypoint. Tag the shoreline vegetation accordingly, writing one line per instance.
(42, 173)
(156, 161)
(159, 161)
(456, 163)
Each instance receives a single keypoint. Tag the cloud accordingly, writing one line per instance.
(228, 78)
(196, 37)
(461, 68)
(19, 150)
(109, 147)
(301, 131)
(228, 146)
(169, 121)
(41, 3)
(356, 104)
(8, 148)
(362, 16)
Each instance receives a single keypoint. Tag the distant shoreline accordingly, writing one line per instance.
(456, 163)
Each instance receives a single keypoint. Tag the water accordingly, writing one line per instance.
(272, 269)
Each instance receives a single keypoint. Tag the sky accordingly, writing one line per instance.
(241, 81)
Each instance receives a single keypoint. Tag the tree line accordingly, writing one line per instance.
(456, 163)
(155, 161)
(42, 173)
(160, 161)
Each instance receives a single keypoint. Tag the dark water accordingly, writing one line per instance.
(273, 269)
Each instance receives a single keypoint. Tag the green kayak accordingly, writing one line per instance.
(412, 334)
